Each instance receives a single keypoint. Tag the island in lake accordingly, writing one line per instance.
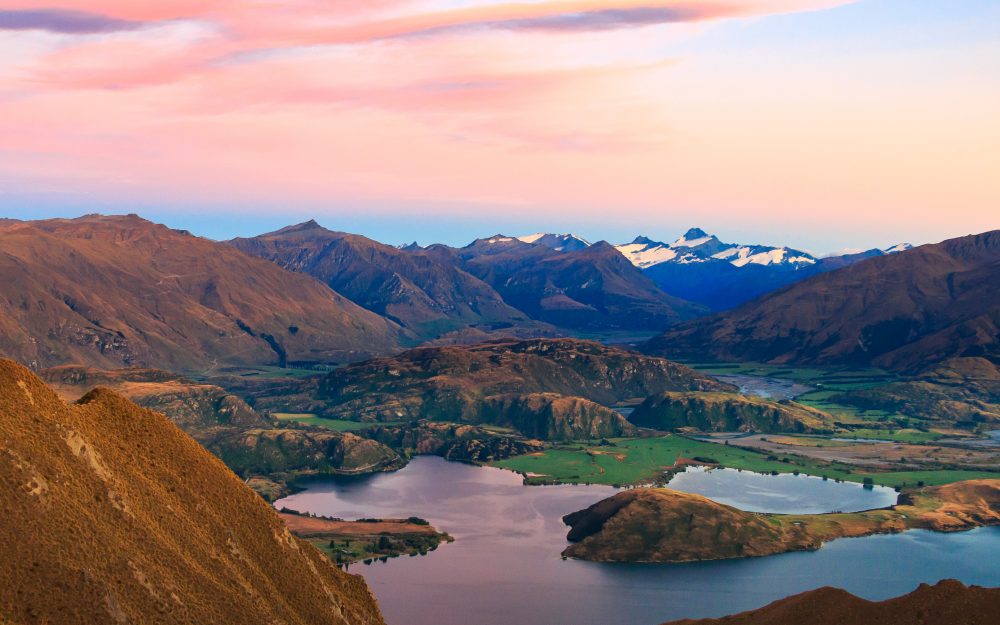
(663, 525)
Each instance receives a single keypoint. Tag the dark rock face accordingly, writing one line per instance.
(121, 291)
(902, 311)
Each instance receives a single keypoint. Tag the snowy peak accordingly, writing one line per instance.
(698, 246)
(695, 237)
(644, 255)
(557, 242)
(899, 247)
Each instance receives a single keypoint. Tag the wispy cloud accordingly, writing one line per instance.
(64, 21)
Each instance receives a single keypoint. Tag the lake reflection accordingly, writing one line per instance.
(784, 494)
(505, 565)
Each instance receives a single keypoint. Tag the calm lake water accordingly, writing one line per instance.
(784, 494)
(505, 565)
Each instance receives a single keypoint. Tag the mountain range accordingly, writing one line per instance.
(425, 293)
(902, 311)
(122, 291)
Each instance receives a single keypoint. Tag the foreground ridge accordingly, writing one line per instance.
(949, 601)
(120, 517)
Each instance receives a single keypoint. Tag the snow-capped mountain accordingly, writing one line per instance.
(558, 242)
(899, 247)
(697, 246)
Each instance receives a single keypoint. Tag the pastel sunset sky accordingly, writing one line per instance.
(821, 124)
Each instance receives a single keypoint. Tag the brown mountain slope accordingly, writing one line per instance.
(948, 601)
(470, 383)
(595, 288)
(902, 311)
(423, 292)
(113, 291)
(113, 515)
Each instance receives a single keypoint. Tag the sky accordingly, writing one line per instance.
(821, 124)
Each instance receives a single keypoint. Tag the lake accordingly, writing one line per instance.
(505, 565)
(783, 494)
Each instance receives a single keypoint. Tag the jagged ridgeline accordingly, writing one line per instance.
(120, 517)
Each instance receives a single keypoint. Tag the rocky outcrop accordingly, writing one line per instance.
(455, 383)
(662, 525)
(277, 450)
(728, 412)
(948, 601)
(553, 417)
(117, 516)
(466, 443)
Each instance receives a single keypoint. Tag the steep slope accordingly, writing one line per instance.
(116, 516)
(728, 412)
(113, 291)
(948, 601)
(903, 311)
(594, 288)
(423, 292)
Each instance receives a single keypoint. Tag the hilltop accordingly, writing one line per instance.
(122, 291)
(120, 517)
(948, 601)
